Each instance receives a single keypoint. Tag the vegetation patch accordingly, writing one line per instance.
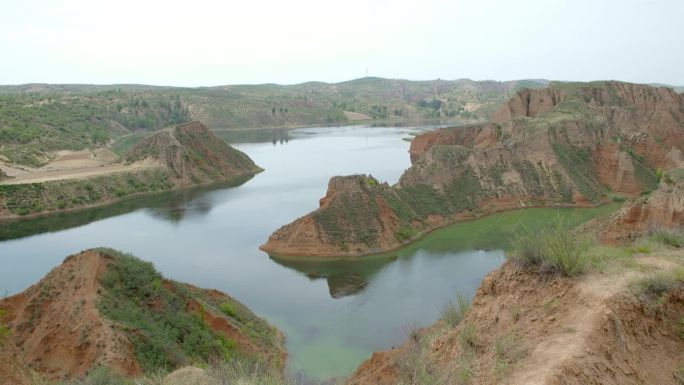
(453, 313)
(155, 317)
(23, 199)
(578, 165)
(4, 330)
(508, 350)
(33, 124)
(669, 237)
(233, 371)
(552, 249)
(653, 288)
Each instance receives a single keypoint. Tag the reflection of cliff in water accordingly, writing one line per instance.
(255, 135)
(172, 206)
(345, 277)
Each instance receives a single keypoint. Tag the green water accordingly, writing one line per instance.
(334, 313)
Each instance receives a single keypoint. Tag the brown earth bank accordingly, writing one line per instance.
(14, 369)
(175, 158)
(100, 308)
(524, 327)
(568, 145)
(660, 211)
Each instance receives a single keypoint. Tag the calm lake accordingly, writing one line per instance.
(334, 313)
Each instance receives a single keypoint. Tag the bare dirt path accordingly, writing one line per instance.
(72, 165)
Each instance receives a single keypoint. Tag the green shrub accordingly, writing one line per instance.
(553, 248)
(468, 337)
(669, 237)
(164, 336)
(508, 350)
(465, 373)
(4, 330)
(453, 313)
(104, 376)
(654, 286)
(679, 376)
(228, 310)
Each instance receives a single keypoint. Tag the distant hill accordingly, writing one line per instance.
(38, 119)
(678, 89)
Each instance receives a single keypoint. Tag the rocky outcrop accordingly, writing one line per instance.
(568, 145)
(526, 329)
(194, 155)
(662, 209)
(102, 308)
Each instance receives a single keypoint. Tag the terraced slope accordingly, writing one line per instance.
(567, 145)
(104, 308)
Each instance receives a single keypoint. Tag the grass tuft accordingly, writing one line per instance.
(508, 350)
(669, 237)
(453, 313)
(553, 248)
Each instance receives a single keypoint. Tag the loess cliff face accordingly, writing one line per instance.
(567, 145)
(102, 308)
(193, 154)
(523, 328)
(662, 209)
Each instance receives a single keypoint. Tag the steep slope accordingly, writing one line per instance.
(103, 308)
(14, 369)
(568, 145)
(661, 210)
(523, 328)
(194, 154)
(182, 156)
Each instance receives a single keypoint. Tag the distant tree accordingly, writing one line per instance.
(273, 111)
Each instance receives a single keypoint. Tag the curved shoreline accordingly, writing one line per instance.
(415, 238)
(238, 180)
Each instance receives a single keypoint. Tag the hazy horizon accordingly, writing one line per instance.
(211, 43)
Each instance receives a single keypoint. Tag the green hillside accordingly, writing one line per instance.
(36, 119)
(33, 124)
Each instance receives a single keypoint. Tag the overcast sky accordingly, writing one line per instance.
(203, 42)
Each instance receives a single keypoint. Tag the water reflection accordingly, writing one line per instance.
(344, 276)
(172, 206)
(255, 135)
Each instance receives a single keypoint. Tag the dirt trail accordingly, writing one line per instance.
(586, 330)
(78, 173)
(578, 323)
(72, 165)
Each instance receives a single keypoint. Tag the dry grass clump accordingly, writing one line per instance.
(453, 313)
(553, 249)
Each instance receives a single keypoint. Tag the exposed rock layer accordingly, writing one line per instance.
(568, 145)
(61, 328)
(663, 209)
